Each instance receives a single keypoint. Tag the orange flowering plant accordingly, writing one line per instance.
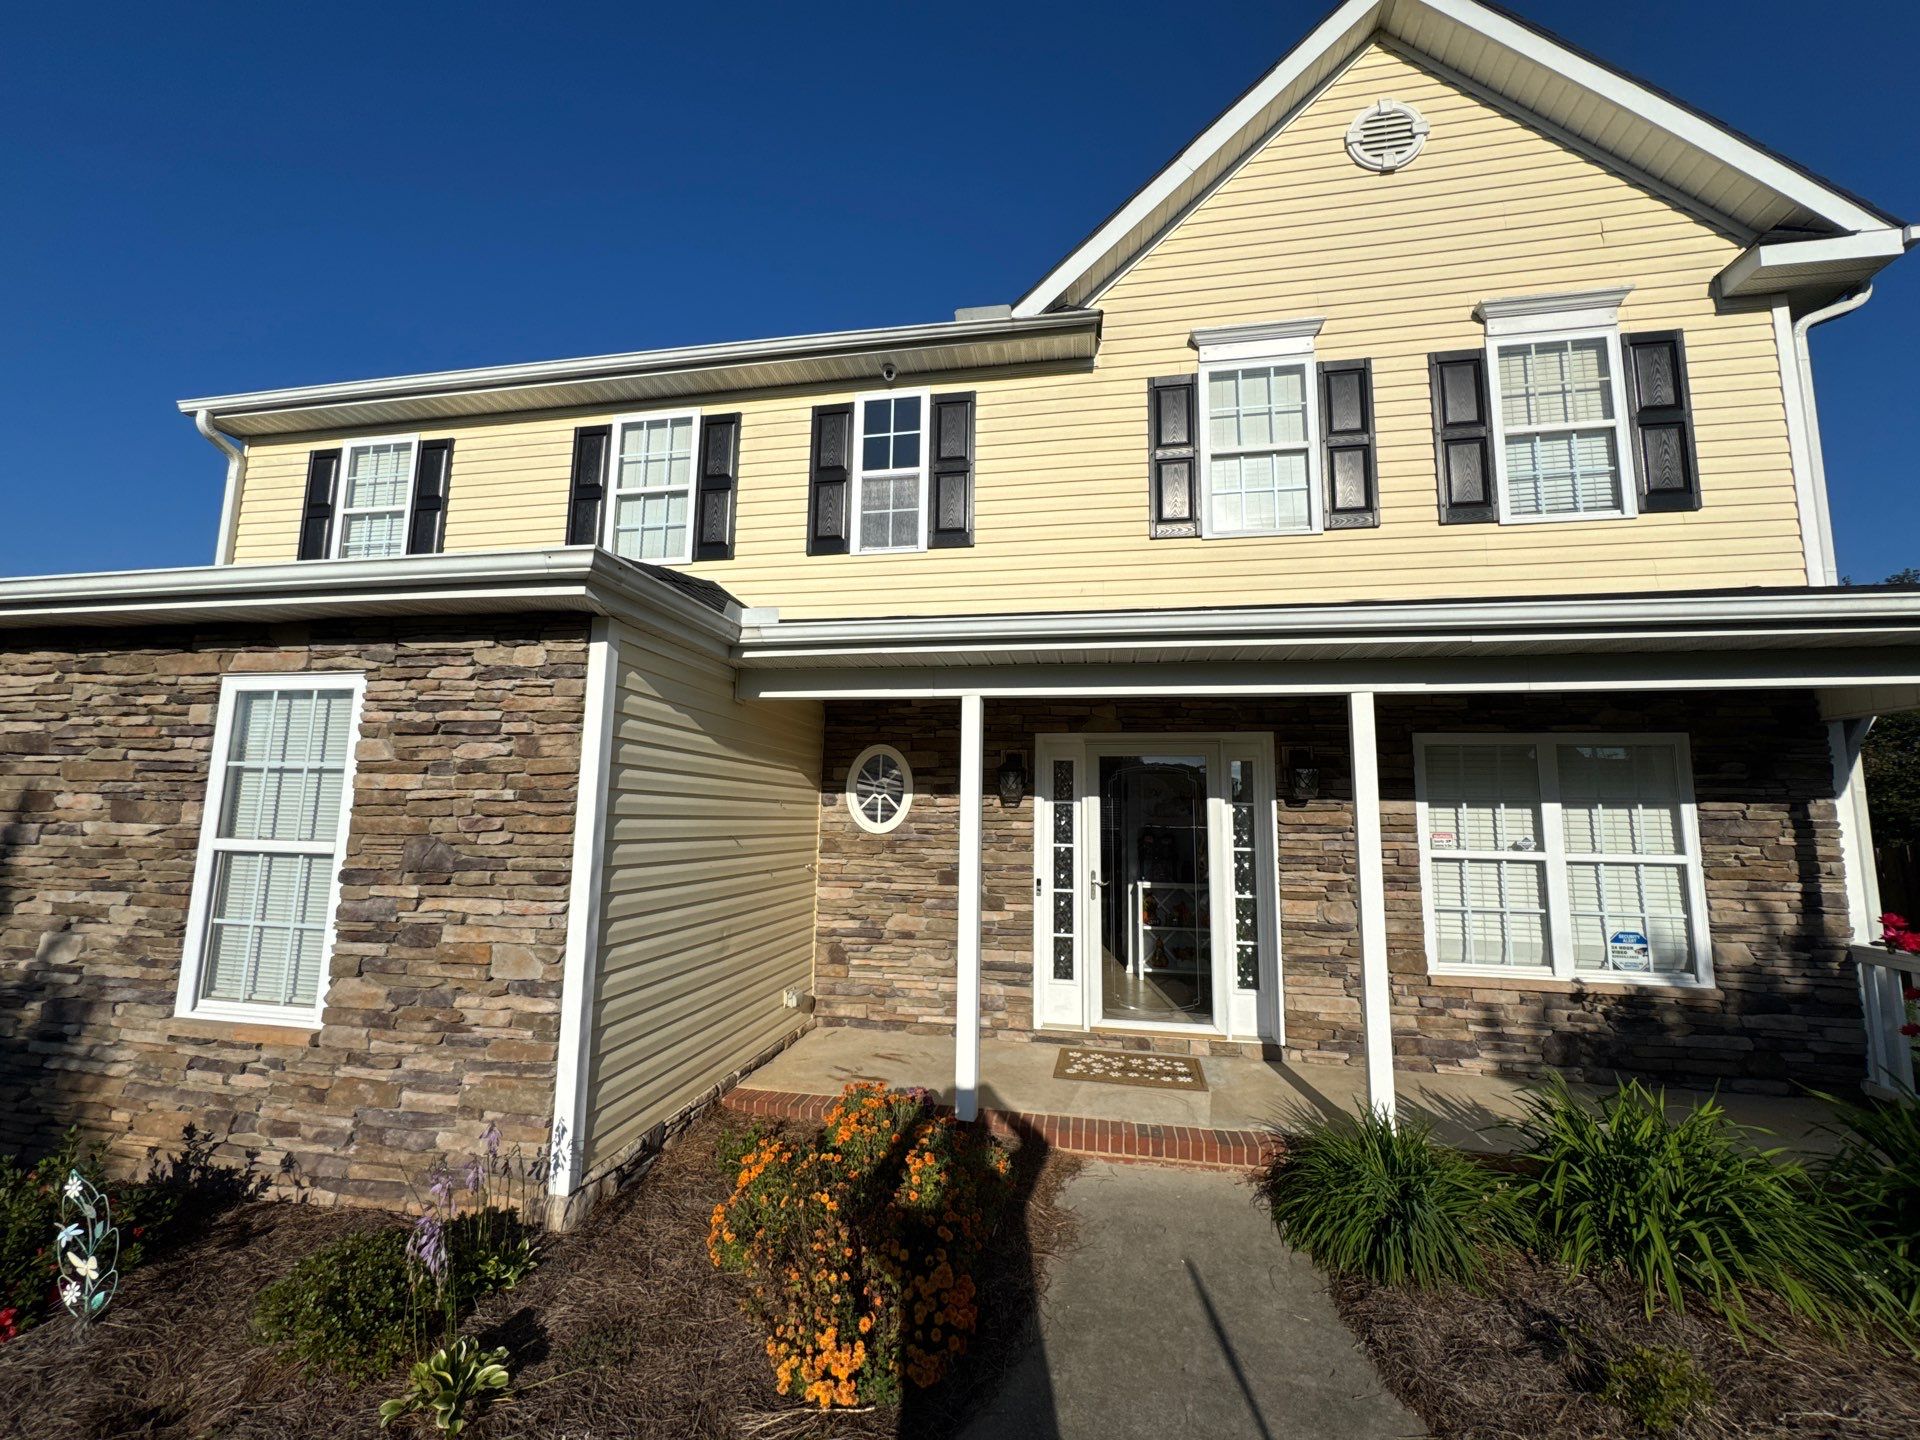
(859, 1244)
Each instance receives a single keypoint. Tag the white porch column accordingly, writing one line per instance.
(966, 1022)
(1375, 1000)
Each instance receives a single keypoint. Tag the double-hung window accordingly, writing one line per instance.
(266, 880)
(890, 483)
(650, 517)
(1259, 430)
(1561, 441)
(1567, 856)
(376, 498)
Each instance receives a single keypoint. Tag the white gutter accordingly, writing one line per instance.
(579, 578)
(236, 473)
(602, 367)
(1480, 620)
(1816, 452)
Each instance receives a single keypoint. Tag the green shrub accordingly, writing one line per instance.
(352, 1307)
(1380, 1199)
(1874, 1177)
(1688, 1206)
(1658, 1387)
(488, 1250)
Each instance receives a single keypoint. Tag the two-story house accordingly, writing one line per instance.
(1372, 602)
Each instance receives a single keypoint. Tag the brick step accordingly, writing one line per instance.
(1076, 1134)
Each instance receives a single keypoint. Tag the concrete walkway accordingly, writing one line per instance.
(1469, 1111)
(1180, 1313)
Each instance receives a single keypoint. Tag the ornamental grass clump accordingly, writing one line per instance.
(860, 1245)
(1375, 1198)
(1874, 1177)
(1687, 1207)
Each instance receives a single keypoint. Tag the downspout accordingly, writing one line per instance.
(1803, 362)
(236, 472)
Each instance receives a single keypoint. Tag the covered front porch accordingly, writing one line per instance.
(1665, 876)
(1245, 1098)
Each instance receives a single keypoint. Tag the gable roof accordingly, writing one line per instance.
(1743, 186)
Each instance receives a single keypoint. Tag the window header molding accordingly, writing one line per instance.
(1534, 314)
(1267, 338)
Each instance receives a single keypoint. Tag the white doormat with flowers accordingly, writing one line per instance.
(1131, 1067)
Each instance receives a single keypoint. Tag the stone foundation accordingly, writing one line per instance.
(443, 1006)
(1784, 1010)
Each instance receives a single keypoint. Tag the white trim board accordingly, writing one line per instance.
(579, 969)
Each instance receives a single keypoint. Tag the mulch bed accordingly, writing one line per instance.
(624, 1331)
(1523, 1359)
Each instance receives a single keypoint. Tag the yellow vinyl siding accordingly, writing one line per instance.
(1395, 263)
(709, 800)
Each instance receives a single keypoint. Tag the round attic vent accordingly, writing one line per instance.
(1386, 136)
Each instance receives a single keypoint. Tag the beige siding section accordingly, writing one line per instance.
(712, 835)
(1395, 263)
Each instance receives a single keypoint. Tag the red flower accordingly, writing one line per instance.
(1905, 941)
(1910, 994)
(1910, 1029)
(9, 1324)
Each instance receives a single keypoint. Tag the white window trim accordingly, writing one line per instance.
(1289, 342)
(1553, 856)
(188, 1003)
(860, 473)
(882, 827)
(1590, 315)
(341, 510)
(611, 504)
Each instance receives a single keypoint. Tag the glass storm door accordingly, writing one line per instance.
(1154, 884)
(1153, 902)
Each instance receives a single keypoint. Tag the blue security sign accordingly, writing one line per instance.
(1629, 950)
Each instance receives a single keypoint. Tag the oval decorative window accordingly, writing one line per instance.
(879, 788)
(1386, 136)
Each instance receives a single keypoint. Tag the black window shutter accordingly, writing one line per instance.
(590, 446)
(829, 477)
(1346, 436)
(316, 520)
(432, 469)
(1173, 502)
(713, 496)
(1661, 411)
(951, 476)
(1462, 436)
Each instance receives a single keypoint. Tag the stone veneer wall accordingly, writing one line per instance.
(443, 1007)
(1784, 1009)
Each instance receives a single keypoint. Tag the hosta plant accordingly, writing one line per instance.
(449, 1385)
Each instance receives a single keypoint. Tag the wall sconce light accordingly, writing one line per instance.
(1303, 776)
(1012, 776)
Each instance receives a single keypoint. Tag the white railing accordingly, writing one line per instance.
(1884, 977)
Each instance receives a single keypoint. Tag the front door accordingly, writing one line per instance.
(1154, 883)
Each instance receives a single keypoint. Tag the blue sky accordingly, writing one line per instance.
(221, 197)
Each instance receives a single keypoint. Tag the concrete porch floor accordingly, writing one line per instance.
(1016, 1076)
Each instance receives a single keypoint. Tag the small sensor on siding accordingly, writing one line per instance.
(1386, 136)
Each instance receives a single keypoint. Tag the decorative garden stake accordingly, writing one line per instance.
(88, 1249)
